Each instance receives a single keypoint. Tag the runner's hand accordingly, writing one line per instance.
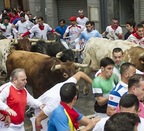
(11, 112)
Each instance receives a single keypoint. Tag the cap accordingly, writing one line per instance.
(73, 18)
(80, 11)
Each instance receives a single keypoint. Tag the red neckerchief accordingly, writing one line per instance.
(72, 113)
(114, 27)
(137, 36)
(41, 27)
(81, 17)
(134, 30)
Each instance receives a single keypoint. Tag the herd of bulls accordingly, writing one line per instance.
(54, 63)
(43, 69)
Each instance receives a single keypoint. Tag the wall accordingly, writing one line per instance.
(51, 13)
(46, 9)
(35, 7)
(1, 5)
(95, 4)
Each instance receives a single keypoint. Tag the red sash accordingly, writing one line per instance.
(72, 113)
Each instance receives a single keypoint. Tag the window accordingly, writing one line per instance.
(126, 11)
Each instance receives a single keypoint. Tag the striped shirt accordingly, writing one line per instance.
(116, 94)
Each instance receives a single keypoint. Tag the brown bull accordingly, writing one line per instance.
(23, 44)
(42, 71)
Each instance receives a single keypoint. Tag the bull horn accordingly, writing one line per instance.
(33, 40)
(82, 65)
(50, 41)
(33, 43)
(55, 67)
(59, 54)
(77, 50)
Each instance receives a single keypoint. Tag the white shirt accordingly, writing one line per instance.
(82, 21)
(74, 31)
(22, 26)
(100, 125)
(8, 30)
(41, 34)
(112, 33)
(51, 99)
(133, 39)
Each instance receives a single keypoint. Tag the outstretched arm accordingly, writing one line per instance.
(81, 75)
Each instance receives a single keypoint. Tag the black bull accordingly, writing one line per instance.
(52, 49)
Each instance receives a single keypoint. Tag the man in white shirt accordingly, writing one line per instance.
(7, 28)
(81, 19)
(40, 30)
(74, 31)
(113, 31)
(51, 99)
(138, 36)
(22, 24)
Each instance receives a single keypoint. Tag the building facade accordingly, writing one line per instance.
(100, 11)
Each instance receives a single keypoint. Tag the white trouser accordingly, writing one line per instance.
(75, 44)
(9, 37)
(64, 43)
(44, 123)
(12, 127)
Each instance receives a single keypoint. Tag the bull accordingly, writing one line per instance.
(42, 71)
(98, 48)
(135, 55)
(53, 49)
(22, 44)
(7, 45)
